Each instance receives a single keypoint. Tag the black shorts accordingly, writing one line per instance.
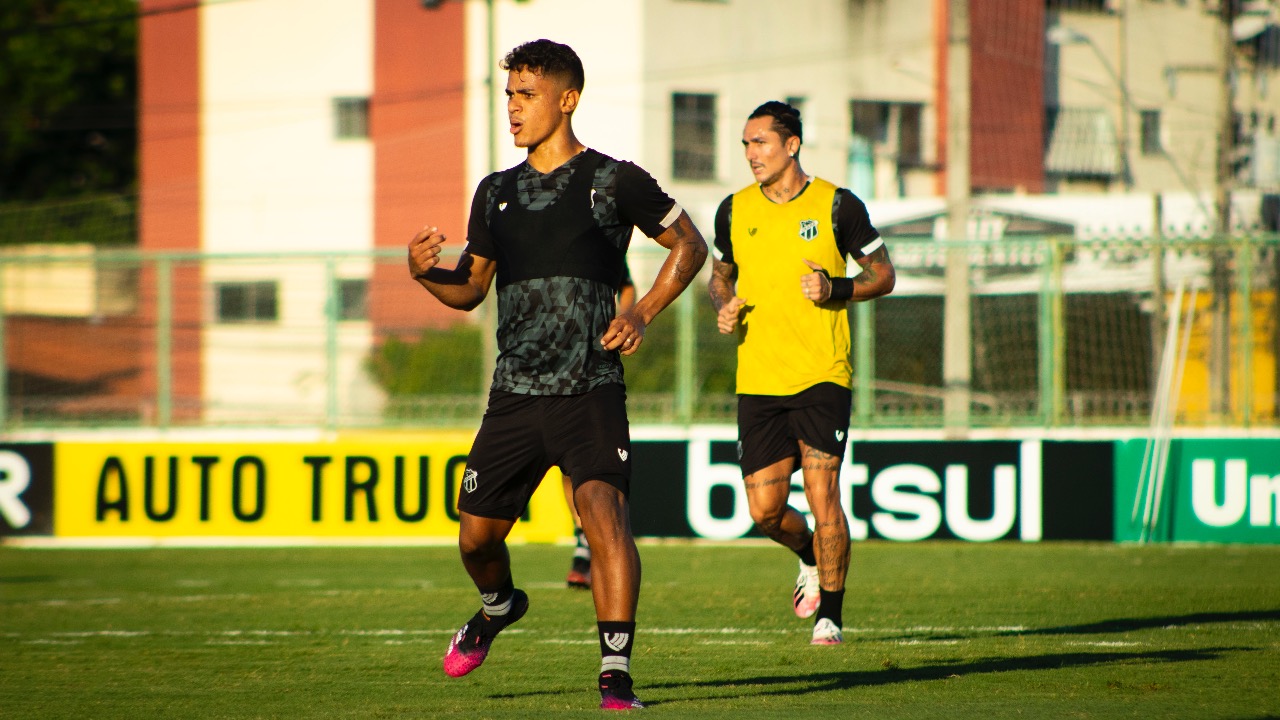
(769, 426)
(522, 436)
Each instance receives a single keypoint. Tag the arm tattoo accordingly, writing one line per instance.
(870, 274)
(691, 250)
(720, 288)
(688, 251)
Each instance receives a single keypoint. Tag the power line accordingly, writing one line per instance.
(53, 26)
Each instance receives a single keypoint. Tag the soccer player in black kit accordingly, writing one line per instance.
(554, 231)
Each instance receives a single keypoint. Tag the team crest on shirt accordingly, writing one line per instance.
(808, 229)
(470, 479)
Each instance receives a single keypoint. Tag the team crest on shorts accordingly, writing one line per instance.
(470, 479)
(808, 229)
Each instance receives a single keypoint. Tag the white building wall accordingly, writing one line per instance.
(605, 35)
(274, 174)
(276, 179)
(745, 52)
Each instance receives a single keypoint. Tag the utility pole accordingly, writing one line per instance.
(1220, 346)
(956, 335)
(1122, 90)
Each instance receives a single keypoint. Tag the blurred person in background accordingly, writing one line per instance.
(554, 231)
(779, 282)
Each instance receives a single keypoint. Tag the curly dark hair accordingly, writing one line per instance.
(547, 58)
(786, 119)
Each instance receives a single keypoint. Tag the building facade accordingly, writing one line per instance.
(286, 127)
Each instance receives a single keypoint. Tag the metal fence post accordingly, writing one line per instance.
(164, 341)
(332, 309)
(1050, 322)
(1244, 270)
(4, 356)
(686, 358)
(865, 318)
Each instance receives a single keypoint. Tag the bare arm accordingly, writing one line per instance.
(721, 288)
(876, 279)
(464, 287)
(688, 253)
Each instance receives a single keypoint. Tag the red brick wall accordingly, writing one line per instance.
(169, 182)
(1006, 95)
(417, 122)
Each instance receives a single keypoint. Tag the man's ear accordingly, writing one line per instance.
(793, 145)
(569, 101)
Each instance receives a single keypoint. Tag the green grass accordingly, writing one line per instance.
(932, 630)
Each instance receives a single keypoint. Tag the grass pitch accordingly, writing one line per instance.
(1049, 630)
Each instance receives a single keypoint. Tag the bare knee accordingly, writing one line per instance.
(599, 499)
(769, 519)
(482, 539)
(478, 548)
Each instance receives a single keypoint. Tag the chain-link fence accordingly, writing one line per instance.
(1064, 333)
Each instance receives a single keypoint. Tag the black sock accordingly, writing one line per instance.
(497, 603)
(806, 552)
(831, 607)
(615, 645)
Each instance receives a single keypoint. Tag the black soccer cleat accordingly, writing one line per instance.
(615, 692)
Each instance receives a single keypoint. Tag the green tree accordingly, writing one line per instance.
(68, 93)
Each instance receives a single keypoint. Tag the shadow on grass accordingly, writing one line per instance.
(836, 681)
(1129, 624)
(1118, 625)
(806, 684)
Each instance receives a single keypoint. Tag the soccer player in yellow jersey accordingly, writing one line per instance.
(779, 282)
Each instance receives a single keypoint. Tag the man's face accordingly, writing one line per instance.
(535, 106)
(766, 153)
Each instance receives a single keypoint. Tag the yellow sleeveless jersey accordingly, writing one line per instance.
(786, 343)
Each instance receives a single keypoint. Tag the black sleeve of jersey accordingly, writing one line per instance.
(724, 221)
(854, 230)
(641, 201)
(479, 241)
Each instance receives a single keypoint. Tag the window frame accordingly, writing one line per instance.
(693, 136)
(260, 301)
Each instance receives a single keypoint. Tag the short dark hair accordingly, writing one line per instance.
(547, 58)
(786, 119)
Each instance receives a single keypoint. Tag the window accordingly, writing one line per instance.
(1081, 142)
(1081, 6)
(890, 129)
(1151, 144)
(350, 117)
(353, 299)
(800, 103)
(244, 302)
(693, 136)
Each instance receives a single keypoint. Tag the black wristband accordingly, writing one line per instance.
(841, 288)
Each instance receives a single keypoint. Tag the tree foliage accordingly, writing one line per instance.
(68, 90)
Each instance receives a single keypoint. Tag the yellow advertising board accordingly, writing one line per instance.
(353, 487)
